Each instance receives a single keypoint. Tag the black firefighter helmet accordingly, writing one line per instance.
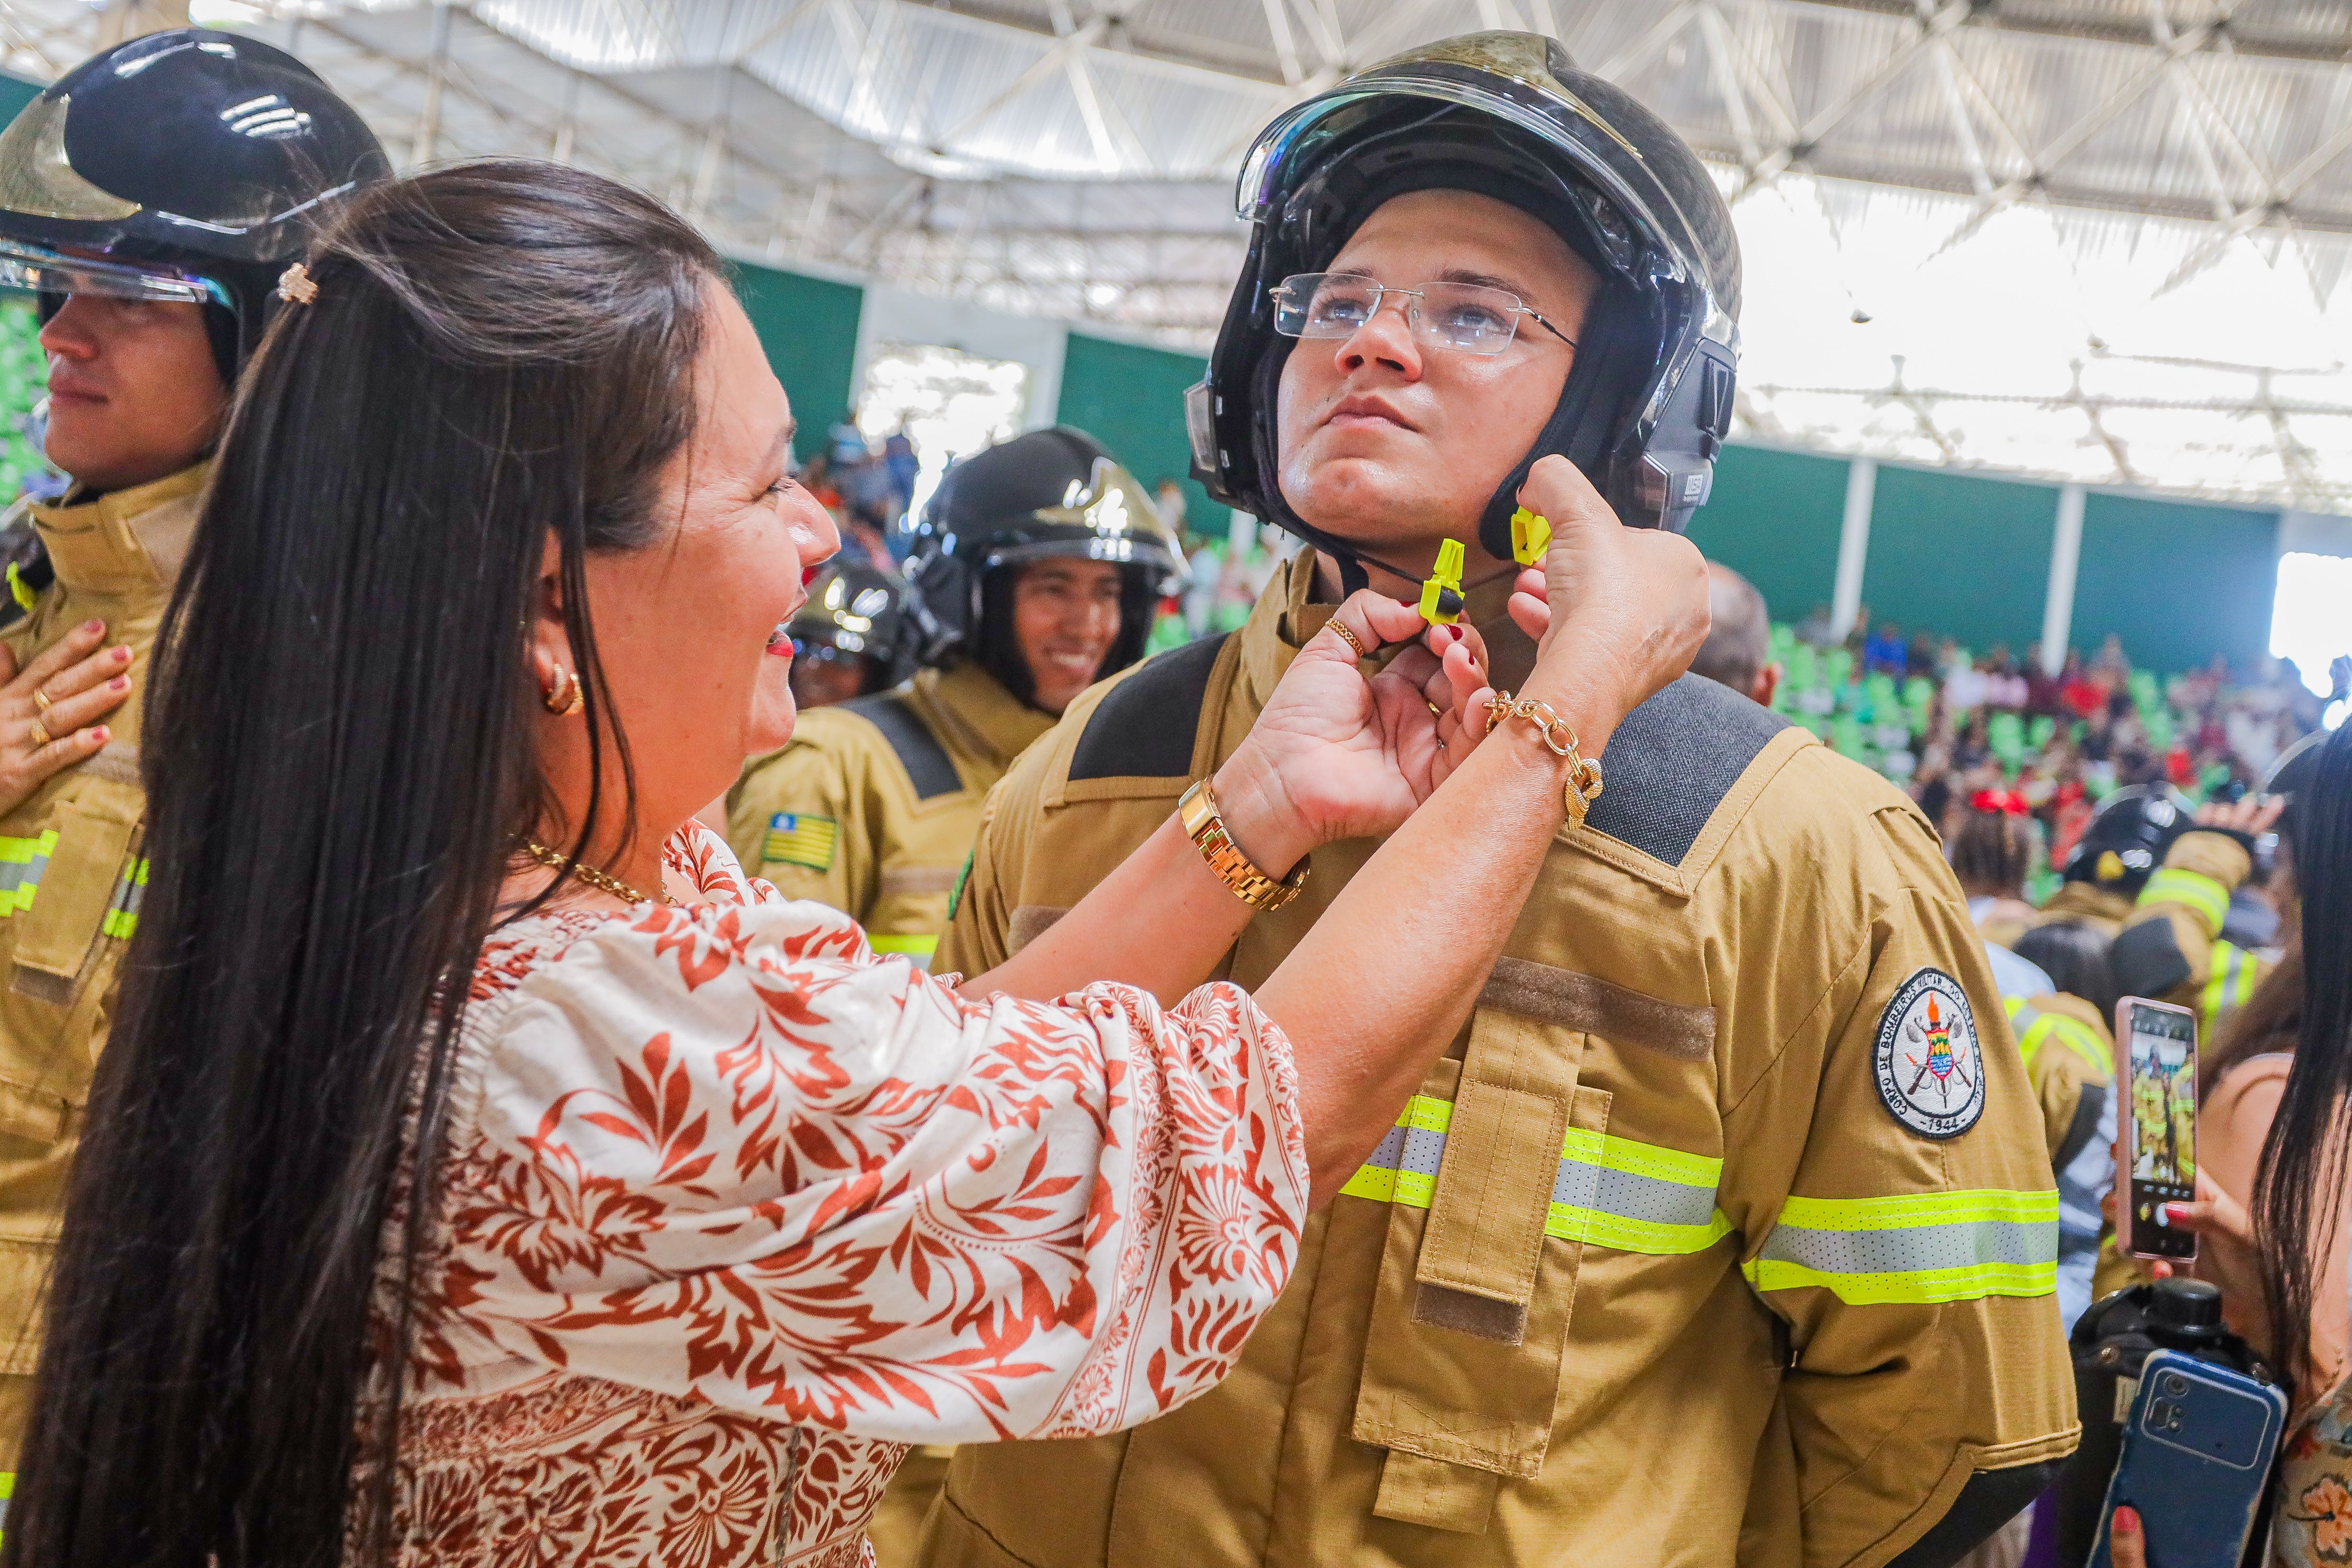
(2126, 840)
(1506, 115)
(1051, 492)
(185, 165)
(857, 611)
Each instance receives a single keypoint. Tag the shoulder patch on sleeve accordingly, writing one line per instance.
(1929, 1062)
(1144, 726)
(801, 838)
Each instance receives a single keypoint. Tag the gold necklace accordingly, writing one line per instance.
(602, 880)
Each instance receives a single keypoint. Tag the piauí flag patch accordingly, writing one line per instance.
(802, 839)
(1929, 1068)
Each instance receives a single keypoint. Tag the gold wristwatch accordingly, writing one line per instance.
(1206, 828)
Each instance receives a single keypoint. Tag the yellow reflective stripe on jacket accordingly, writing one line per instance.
(2235, 973)
(1920, 1247)
(22, 861)
(2171, 885)
(130, 892)
(919, 948)
(1606, 1191)
(2035, 1028)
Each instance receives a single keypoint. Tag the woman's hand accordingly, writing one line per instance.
(1617, 613)
(1335, 755)
(49, 712)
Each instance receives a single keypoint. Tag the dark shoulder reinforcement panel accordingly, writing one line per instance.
(1672, 762)
(927, 762)
(1145, 727)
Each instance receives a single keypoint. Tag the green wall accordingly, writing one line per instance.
(1131, 399)
(1774, 517)
(1960, 556)
(14, 93)
(809, 327)
(2178, 581)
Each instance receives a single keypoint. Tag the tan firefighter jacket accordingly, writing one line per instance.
(71, 873)
(1724, 1231)
(873, 805)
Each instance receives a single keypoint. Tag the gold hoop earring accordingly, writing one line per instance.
(565, 698)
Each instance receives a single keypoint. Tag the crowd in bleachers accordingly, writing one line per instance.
(1963, 728)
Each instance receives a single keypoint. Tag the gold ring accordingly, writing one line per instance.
(41, 701)
(1349, 638)
(41, 736)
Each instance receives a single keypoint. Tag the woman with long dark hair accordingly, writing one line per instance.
(2281, 1260)
(482, 1171)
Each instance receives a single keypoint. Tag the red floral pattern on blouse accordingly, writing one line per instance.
(734, 1210)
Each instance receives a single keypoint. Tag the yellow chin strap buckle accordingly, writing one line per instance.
(1531, 537)
(1441, 592)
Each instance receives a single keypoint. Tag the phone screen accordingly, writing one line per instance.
(2162, 1147)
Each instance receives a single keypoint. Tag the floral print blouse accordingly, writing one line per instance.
(732, 1211)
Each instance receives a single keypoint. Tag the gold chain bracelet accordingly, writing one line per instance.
(1558, 736)
(1205, 826)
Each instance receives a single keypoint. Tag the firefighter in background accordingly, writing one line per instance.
(2119, 851)
(851, 639)
(155, 200)
(1035, 572)
(2181, 944)
(1692, 1183)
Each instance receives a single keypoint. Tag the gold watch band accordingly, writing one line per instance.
(1205, 826)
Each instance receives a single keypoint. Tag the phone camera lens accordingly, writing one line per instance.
(2173, 1383)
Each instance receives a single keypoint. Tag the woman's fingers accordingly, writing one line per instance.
(1629, 602)
(86, 707)
(39, 762)
(69, 649)
(91, 672)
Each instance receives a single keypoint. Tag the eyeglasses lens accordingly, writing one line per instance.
(1463, 318)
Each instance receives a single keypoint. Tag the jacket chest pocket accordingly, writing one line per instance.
(81, 884)
(1505, 1173)
(1462, 1364)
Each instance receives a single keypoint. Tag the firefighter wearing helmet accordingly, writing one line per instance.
(1038, 565)
(153, 200)
(1725, 1229)
(852, 638)
(2199, 934)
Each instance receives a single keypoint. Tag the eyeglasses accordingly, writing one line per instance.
(1461, 317)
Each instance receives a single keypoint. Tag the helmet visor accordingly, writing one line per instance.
(46, 271)
(1507, 76)
(38, 179)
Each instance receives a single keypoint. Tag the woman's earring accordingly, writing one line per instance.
(565, 697)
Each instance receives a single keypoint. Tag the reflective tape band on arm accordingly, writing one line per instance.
(1916, 1249)
(2171, 885)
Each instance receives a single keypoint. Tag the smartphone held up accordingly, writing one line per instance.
(2156, 1157)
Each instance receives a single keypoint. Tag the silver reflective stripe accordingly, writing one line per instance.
(1631, 1196)
(2022, 1243)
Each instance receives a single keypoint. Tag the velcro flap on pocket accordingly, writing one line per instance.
(1494, 1193)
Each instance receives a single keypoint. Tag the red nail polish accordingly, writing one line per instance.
(2126, 1519)
(120, 683)
(101, 734)
(94, 625)
(122, 656)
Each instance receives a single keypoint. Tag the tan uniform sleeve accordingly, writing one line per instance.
(2166, 948)
(822, 850)
(1904, 1229)
(980, 935)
